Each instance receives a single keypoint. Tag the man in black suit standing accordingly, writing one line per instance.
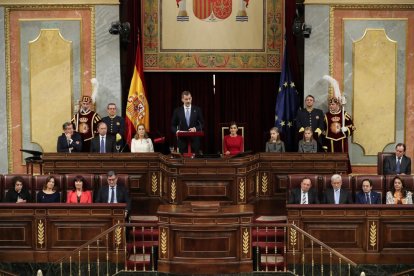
(103, 143)
(398, 163)
(69, 141)
(305, 194)
(187, 118)
(337, 195)
(113, 193)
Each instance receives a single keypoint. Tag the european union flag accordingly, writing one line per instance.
(287, 105)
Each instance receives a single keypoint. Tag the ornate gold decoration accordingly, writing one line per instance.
(62, 2)
(257, 184)
(265, 181)
(293, 237)
(352, 2)
(373, 234)
(8, 88)
(246, 241)
(49, 53)
(163, 242)
(118, 236)
(154, 183)
(93, 42)
(241, 189)
(173, 190)
(40, 233)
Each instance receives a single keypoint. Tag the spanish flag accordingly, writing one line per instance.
(137, 109)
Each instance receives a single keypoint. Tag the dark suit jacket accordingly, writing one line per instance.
(375, 198)
(295, 196)
(344, 197)
(76, 145)
(109, 144)
(178, 121)
(121, 195)
(390, 165)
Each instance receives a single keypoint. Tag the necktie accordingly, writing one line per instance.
(112, 195)
(102, 150)
(397, 168)
(187, 116)
(304, 198)
(367, 198)
(337, 196)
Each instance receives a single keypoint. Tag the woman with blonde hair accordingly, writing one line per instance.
(141, 142)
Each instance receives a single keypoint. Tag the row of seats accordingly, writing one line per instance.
(380, 183)
(63, 183)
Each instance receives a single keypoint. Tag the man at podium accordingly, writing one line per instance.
(187, 118)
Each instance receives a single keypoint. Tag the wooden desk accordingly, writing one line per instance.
(40, 232)
(205, 240)
(366, 234)
(156, 178)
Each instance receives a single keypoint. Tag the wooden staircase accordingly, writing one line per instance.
(142, 246)
(269, 244)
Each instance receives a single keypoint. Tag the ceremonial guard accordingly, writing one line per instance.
(338, 124)
(86, 120)
(310, 117)
(116, 126)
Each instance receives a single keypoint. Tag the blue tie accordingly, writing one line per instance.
(187, 116)
(112, 195)
(336, 194)
(397, 168)
(102, 150)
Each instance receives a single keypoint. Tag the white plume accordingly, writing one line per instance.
(335, 85)
(95, 86)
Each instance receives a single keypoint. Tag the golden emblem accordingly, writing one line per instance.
(83, 128)
(335, 127)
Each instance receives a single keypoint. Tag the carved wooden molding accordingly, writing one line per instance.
(60, 2)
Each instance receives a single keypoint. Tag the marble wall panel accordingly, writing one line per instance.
(108, 71)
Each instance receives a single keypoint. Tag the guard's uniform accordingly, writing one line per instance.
(336, 140)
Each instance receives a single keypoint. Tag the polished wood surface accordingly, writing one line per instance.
(155, 179)
(205, 238)
(366, 234)
(39, 232)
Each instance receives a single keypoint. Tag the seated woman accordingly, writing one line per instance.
(141, 142)
(307, 144)
(80, 192)
(275, 144)
(18, 192)
(233, 143)
(398, 193)
(48, 193)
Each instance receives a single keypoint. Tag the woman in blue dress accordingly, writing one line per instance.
(49, 193)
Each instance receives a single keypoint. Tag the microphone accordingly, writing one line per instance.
(123, 148)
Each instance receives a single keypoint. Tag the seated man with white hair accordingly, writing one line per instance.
(337, 195)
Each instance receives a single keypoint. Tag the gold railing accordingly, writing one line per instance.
(109, 253)
(285, 247)
(277, 247)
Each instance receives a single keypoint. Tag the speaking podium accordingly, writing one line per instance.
(188, 135)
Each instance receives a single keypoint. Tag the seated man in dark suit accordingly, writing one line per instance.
(69, 141)
(398, 163)
(113, 193)
(367, 196)
(305, 194)
(337, 195)
(103, 143)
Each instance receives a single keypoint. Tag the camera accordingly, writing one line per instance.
(121, 29)
(301, 28)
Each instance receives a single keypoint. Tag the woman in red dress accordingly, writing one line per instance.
(233, 143)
